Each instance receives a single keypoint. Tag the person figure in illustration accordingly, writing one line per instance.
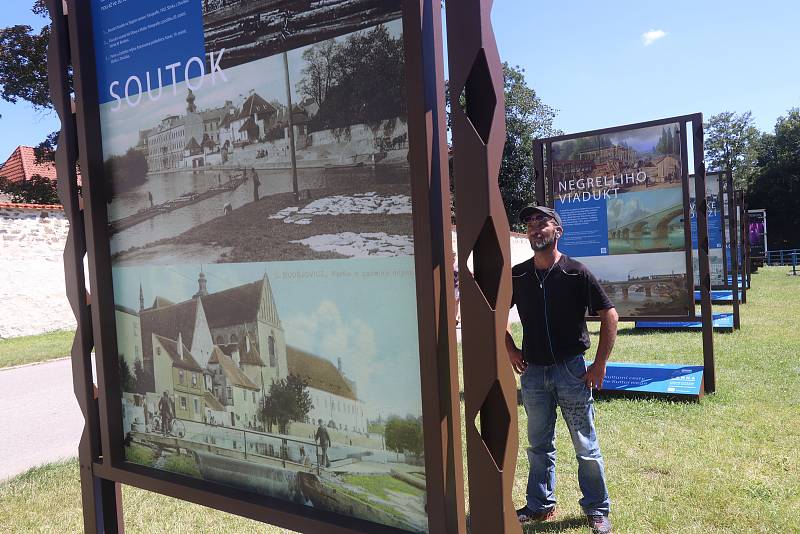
(150, 198)
(324, 439)
(256, 183)
(552, 293)
(167, 411)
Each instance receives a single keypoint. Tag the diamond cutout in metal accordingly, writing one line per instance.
(480, 98)
(494, 420)
(488, 262)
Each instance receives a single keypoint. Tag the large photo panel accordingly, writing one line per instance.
(260, 220)
(621, 198)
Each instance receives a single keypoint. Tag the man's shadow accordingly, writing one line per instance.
(559, 525)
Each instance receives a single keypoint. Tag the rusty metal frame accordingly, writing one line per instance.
(103, 466)
(490, 393)
(102, 500)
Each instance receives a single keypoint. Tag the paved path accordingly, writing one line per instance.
(40, 421)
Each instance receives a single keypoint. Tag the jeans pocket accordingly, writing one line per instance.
(575, 368)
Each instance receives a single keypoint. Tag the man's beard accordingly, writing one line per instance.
(539, 245)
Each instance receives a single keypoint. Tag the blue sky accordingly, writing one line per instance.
(588, 60)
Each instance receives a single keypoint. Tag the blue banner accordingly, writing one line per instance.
(143, 46)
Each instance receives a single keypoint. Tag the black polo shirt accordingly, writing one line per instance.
(553, 309)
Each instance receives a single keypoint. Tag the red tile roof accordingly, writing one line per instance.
(21, 165)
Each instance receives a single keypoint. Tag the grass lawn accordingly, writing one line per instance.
(31, 349)
(726, 465)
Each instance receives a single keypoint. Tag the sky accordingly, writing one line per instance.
(602, 64)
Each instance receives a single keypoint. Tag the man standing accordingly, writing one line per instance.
(256, 183)
(167, 412)
(553, 293)
(324, 440)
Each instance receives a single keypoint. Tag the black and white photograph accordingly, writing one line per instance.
(220, 170)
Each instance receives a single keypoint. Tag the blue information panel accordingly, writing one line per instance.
(621, 199)
(654, 378)
(715, 229)
(721, 322)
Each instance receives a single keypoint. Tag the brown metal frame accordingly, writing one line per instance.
(726, 189)
(745, 239)
(101, 456)
(545, 183)
(490, 392)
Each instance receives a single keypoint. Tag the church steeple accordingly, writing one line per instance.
(190, 106)
(202, 288)
(141, 298)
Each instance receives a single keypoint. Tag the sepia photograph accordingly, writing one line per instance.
(226, 173)
(293, 380)
(644, 284)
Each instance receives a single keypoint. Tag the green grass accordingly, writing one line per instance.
(182, 463)
(726, 465)
(33, 349)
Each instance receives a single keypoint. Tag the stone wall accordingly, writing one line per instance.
(32, 289)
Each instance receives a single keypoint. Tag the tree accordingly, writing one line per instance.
(23, 71)
(36, 190)
(288, 400)
(527, 119)
(144, 379)
(775, 184)
(126, 380)
(729, 144)
(404, 435)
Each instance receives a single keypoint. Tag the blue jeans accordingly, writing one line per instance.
(544, 388)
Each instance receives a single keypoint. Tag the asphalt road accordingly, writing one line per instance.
(40, 421)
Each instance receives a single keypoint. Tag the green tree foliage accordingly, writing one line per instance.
(404, 435)
(288, 400)
(23, 71)
(128, 171)
(527, 119)
(669, 142)
(36, 190)
(729, 143)
(343, 79)
(775, 183)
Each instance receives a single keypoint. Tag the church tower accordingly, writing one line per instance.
(202, 287)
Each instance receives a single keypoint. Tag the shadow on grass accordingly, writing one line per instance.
(559, 525)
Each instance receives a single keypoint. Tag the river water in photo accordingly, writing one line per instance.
(172, 186)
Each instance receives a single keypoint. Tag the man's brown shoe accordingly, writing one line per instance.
(599, 524)
(526, 515)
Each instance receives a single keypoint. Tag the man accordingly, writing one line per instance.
(166, 410)
(552, 293)
(256, 183)
(324, 440)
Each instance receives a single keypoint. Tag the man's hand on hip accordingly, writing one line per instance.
(594, 375)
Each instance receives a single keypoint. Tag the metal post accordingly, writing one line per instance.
(101, 499)
(709, 372)
(490, 392)
(291, 126)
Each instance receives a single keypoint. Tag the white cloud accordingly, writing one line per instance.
(652, 36)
